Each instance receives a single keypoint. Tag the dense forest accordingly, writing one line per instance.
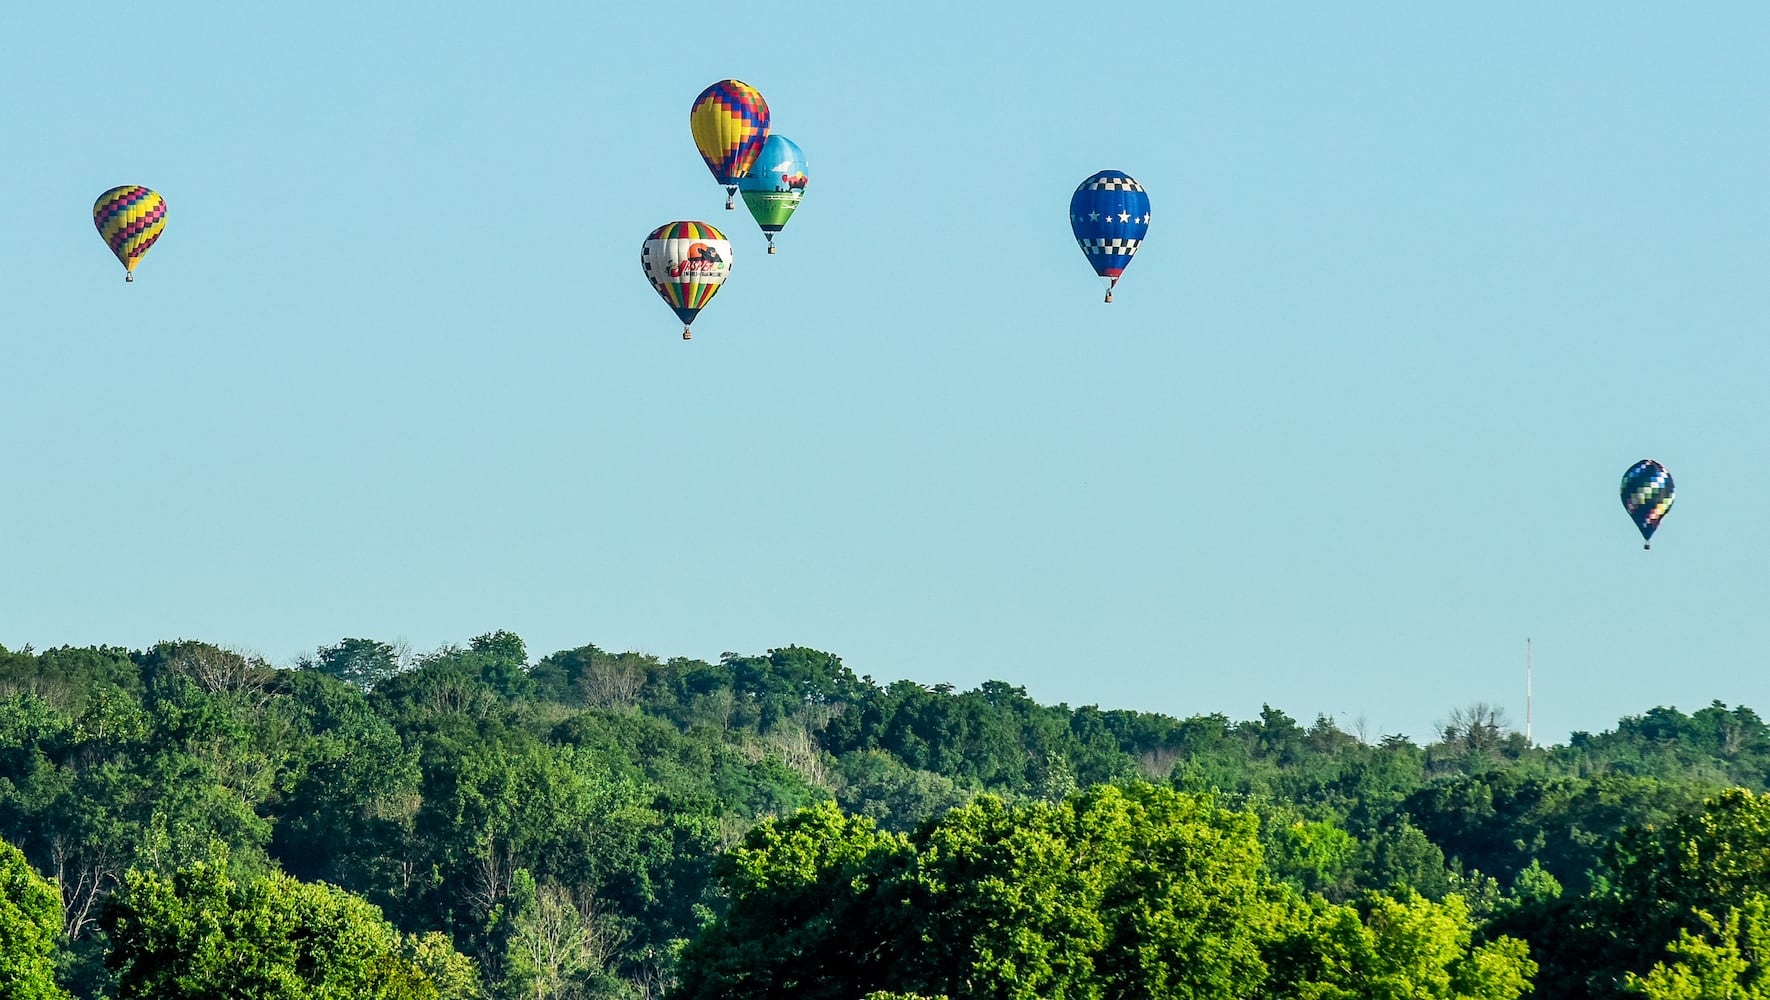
(189, 821)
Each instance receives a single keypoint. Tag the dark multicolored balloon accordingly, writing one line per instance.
(730, 123)
(1109, 214)
(1647, 494)
(131, 219)
(686, 262)
(773, 186)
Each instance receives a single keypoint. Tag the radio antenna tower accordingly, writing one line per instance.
(1527, 684)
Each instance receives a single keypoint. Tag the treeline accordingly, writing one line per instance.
(593, 824)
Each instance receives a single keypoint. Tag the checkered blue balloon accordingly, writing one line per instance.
(1109, 214)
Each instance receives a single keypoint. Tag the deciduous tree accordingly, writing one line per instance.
(30, 921)
(198, 933)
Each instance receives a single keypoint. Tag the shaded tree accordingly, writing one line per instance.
(363, 663)
(1725, 960)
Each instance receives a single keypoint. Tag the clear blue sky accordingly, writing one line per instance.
(1420, 284)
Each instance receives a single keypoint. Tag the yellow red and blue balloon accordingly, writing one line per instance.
(729, 121)
(131, 219)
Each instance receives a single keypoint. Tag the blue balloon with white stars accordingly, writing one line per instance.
(1109, 214)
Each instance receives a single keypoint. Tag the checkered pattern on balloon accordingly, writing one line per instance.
(729, 121)
(1109, 215)
(686, 262)
(130, 218)
(1647, 494)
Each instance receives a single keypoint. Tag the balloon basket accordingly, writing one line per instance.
(128, 276)
(1648, 546)
(686, 335)
(1109, 296)
(771, 248)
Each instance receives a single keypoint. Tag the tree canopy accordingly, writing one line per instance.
(620, 826)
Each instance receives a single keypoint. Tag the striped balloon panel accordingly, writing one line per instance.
(130, 218)
(1109, 215)
(730, 123)
(1647, 494)
(686, 262)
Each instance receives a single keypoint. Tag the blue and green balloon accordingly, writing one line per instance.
(774, 185)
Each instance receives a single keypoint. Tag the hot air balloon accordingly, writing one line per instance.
(686, 262)
(730, 123)
(774, 185)
(1647, 493)
(130, 218)
(1109, 214)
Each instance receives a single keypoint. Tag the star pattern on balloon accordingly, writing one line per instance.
(1108, 215)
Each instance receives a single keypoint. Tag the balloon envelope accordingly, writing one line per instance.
(686, 262)
(730, 123)
(1647, 494)
(131, 219)
(1109, 215)
(775, 184)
